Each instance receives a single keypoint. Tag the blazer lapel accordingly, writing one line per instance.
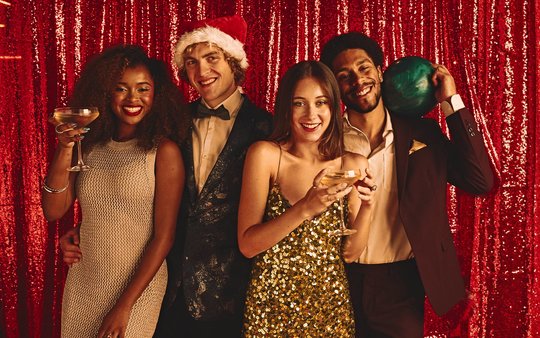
(189, 166)
(239, 135)
(402, 142)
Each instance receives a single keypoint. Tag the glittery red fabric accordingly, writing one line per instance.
(490, 46)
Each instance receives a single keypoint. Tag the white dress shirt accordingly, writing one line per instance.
(209, 137)
(387, 241)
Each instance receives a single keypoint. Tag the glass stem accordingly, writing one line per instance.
(343, 227)
(79, 154)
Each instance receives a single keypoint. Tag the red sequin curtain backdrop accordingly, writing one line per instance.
(490, 46)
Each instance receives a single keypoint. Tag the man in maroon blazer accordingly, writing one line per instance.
(410, 251)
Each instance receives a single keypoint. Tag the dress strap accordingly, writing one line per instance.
(279, 165)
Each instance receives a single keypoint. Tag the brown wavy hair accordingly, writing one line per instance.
(331, 143)
(168, 116)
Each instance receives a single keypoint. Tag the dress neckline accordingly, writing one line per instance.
(280, 193)
(276, 181)
(121, 145)
(277, 188)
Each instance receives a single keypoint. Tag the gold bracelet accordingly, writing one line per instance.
(50, 190)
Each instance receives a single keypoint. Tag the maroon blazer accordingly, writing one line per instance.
(422, 178)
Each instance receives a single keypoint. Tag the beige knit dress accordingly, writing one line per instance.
(117, 202)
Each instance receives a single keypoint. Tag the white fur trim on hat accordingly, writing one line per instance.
(212, 35)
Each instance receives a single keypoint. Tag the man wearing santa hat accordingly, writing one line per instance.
(208, 274)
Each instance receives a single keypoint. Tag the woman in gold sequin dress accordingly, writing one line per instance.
(129, 198)
(298, 285)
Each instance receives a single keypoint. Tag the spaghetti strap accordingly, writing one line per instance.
(278, 166)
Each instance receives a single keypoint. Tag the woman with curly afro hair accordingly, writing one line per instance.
(129, 198)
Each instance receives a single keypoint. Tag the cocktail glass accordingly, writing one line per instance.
(81, 117)
(336, 177)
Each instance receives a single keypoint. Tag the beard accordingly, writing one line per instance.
(364, 107)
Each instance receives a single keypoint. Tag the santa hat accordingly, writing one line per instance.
(228, 33)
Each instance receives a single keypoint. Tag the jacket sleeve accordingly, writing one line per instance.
(468, 163)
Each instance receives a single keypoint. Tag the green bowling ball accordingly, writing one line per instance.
(407, 88)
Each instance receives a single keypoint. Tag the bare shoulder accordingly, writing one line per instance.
(352, 160)
(264, 150)
(168, 150)
(262, 158)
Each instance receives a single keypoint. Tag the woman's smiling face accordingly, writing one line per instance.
(310, 110)
(132, 99)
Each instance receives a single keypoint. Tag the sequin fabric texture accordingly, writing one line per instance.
(298, 287)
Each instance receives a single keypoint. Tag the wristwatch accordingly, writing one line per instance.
(452, 104)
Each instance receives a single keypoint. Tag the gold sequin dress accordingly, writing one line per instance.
(117, 202)
(298, 287)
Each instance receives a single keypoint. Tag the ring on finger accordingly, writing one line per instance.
(373, 187)
(58, 131)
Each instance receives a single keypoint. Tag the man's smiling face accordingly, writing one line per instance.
(359, 80)
(209, 73)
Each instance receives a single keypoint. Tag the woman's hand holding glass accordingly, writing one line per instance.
(70, 119)
(319, 196)
(335, 184)
(69, 133)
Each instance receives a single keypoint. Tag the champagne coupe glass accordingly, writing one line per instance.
(336, 177)
(81, 116)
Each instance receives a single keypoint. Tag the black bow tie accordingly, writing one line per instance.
(203, 111)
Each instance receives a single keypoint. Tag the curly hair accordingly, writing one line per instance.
(168, 116)
(331, 144)
(351, 40)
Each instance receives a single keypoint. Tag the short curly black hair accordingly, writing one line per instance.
(351, 40)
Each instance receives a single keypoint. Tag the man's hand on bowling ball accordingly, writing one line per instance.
(445, 86)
